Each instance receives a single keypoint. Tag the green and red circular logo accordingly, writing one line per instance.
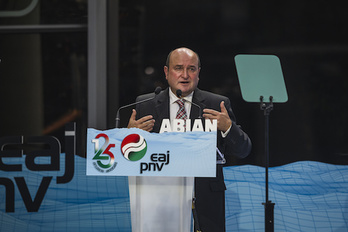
(133, 147)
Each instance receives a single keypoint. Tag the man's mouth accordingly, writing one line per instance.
(184, 82)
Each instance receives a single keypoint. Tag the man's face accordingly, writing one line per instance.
(183, 71)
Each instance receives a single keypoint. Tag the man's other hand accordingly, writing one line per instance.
(145, 123)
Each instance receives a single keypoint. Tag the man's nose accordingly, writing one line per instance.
(185, 73)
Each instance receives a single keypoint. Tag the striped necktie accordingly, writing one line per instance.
(181, 114)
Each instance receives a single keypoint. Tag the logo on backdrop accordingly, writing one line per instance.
(133, 147)
(104, 158)
(34, 154)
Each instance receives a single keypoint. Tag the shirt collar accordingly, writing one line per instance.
(173, 97)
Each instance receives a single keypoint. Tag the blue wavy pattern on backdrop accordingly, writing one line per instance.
(308, 196)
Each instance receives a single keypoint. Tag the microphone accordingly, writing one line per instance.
(157, 91)
(179, 94)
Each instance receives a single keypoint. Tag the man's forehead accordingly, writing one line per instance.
(184, 58)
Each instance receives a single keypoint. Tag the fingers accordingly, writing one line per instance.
(134, 113)
(144, 119)
(148, 127)
(223, 108)
(223, 119)
(132, 121)
(213, 114)
(145, 123)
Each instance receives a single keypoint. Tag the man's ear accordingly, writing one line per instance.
(165, 69)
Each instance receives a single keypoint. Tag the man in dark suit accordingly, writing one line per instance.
(182, 72)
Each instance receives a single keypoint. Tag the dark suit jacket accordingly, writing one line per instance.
(209, 192)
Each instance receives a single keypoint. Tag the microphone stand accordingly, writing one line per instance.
(269, 206)
(118, 111)
(157, 91)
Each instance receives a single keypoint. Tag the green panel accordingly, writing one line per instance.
(261, 75)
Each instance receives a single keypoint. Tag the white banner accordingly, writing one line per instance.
(134, 152)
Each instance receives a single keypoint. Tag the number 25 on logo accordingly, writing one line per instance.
(103, 153)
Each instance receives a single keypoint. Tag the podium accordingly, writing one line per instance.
(161, 203)
(160, 169)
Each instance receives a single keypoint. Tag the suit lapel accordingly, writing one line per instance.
(161, 108)
(198, 99)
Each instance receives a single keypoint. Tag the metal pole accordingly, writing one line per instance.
(269, 206)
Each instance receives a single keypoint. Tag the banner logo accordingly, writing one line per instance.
(23, 157)
(133, 147)
(104, 158)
